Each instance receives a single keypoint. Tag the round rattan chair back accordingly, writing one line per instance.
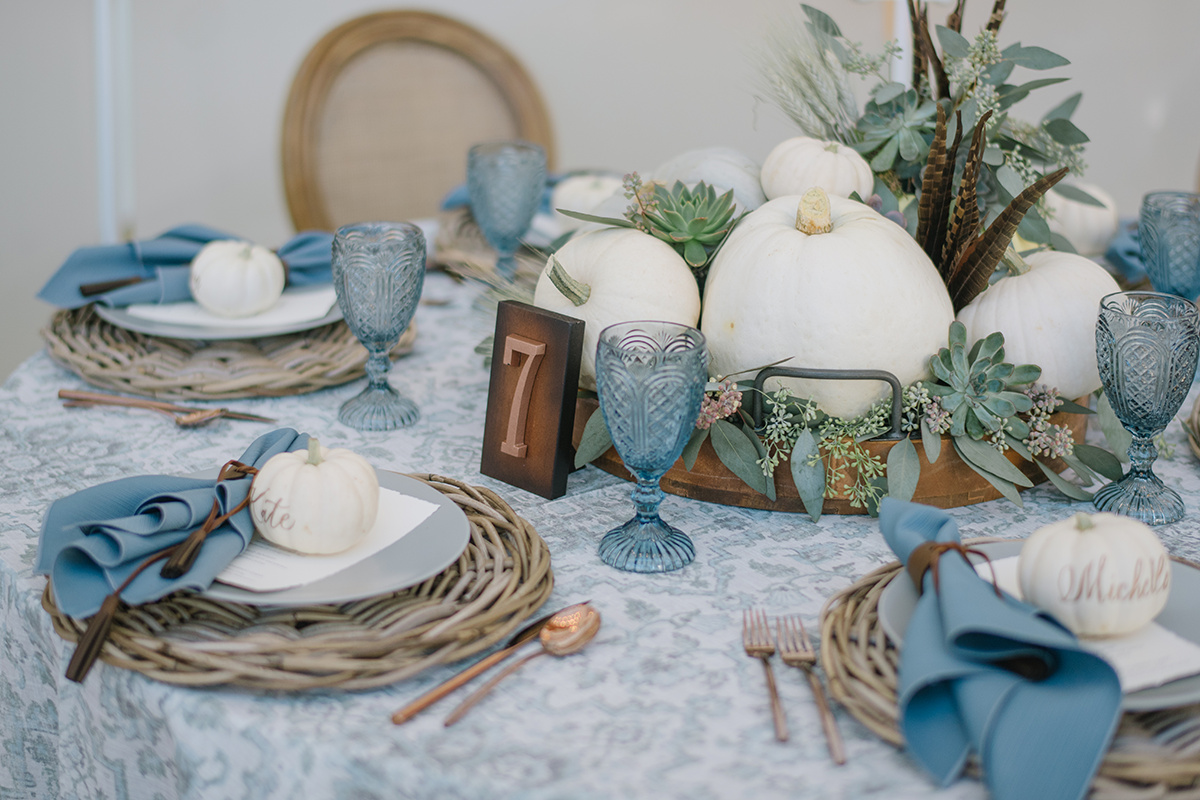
(383, 110)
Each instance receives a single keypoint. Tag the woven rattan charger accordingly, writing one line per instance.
(501, 577)
(125, 361)
(1155, 754)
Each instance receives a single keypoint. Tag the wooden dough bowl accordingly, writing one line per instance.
(946, 484)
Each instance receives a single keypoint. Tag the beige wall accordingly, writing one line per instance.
(628, 82)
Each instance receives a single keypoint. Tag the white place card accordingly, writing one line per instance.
(1148, 657)
(264, 567)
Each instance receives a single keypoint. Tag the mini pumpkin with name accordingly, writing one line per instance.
(1098, 574)
(316, 501)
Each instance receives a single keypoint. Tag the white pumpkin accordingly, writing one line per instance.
(583, 192)
(1047, 311)
(616, 275)
(723, 168)
(796, 165)
(236, 279)
(1099, 574)
(315, 501)
(862, 295)
(1088, 228)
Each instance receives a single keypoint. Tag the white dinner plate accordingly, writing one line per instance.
(123, 319)
(899, 597)
(422, 553)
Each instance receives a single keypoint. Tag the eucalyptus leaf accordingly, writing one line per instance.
(614, 221)
(1034, 228)
(990, 459)
(998, 73)
(1034, 57)
(1065, 109)
(1086, 474)
(1100, 460)
(1075, 193)
(1018, 447)
(737, 454)
(953, 43)
(1064, 131)
(1061, 243)
(931, 442)
(880, 484)
(1063, 485)
(691, 450)
(1114, 432)
(761, 449)
(809, 478)
(1009, 94)
(993, 156)
(1071, 407)
(1010, 180)
(595, 440)
(903, 470)
(821, 20)
(1004, 487)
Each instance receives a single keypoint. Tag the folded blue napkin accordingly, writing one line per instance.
(1036, 737)
(1125, 253)
(162, 265)
(93, 540)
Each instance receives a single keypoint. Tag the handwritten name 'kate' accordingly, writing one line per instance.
(1093, 582)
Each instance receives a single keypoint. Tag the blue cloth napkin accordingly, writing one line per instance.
(1035, 738)
(162, 264)
(1125, 253)
(92, 540)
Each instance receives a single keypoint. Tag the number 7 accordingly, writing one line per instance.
(514, 440)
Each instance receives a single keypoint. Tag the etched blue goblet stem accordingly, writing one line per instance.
(647, 496)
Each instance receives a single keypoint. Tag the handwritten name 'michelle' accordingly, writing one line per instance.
(1093, 583)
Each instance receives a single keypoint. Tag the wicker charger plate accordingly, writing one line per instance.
(111, 357)
(501, 577)
(1155, 753)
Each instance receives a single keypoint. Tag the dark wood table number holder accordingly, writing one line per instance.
(531, 398)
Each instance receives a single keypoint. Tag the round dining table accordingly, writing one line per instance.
(663, 703)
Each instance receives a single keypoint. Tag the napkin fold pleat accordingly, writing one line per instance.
(959, 690)
(162, 265)
(91, 541)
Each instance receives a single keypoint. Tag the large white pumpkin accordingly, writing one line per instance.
(798, 164)
(616, 275)
(861, 296)
(1088, 228)
(236, 279)
(1099, 574)
(1048, 317)
(723, 168)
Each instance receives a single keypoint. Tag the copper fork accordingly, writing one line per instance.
(757, 641)
(796, 650)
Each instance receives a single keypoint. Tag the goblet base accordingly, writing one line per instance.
(646, 545)
(1142, 497)
(378, 408)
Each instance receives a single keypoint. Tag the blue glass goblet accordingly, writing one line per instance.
(378, 273)
(650, 377)
(1169, 233)
(505, 183)
(1147, 345)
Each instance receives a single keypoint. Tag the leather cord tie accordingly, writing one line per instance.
(925, 557)
(180, 558)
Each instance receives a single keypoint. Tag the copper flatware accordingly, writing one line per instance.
(519, 639)
(184, 416)
(796, 650)
(758, 643)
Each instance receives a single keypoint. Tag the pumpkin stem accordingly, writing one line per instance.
(1083, 522)
(1013, 262)
(831, 147)
(812, 216)
(314, 451)
(574, 290)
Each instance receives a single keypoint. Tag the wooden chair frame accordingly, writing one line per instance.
(317, 74)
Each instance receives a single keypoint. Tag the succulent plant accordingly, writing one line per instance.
(693, 221)
(977, 387)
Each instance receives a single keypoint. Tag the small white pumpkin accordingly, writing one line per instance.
(616, 275)
(849, 290)
(798, 164)
(236, 279)
(315, 501)
(723, 168)
(1088, 228)
(1098, 574)
(583, 192)
(1047, 310)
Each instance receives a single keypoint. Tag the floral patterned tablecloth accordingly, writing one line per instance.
(663, 704)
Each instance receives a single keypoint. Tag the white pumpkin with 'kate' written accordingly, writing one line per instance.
(1098, 574)
(316, 501)
(236, 279)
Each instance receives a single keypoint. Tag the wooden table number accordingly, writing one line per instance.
(531, 398)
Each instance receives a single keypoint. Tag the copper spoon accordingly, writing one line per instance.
(565, 633)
